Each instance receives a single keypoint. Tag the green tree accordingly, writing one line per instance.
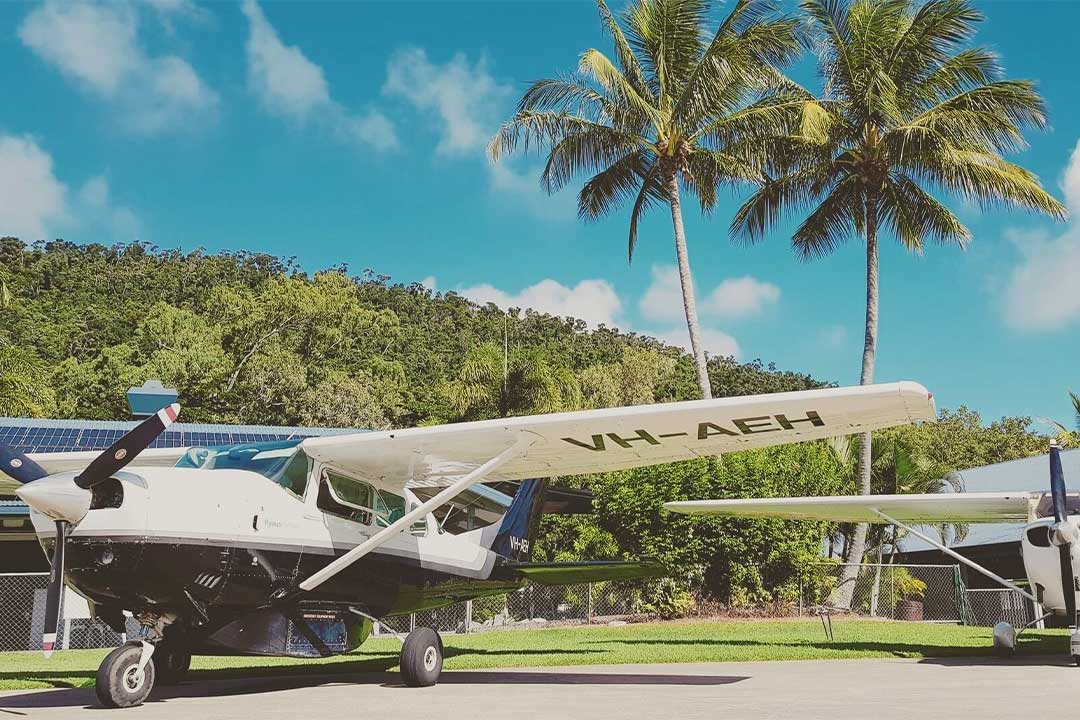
(24, 384)
(907, 109)
(636, 379)
(679, 107)
(493, 382)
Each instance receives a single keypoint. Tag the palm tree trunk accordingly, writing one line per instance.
(858, 542)
(689, 303)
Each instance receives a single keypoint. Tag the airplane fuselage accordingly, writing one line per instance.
(223, 551)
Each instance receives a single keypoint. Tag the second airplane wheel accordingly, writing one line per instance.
(422, 658)
(171, 663)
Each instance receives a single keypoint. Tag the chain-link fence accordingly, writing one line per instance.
(22, 620)
(992, 605)
(928, 593)
(528, 607)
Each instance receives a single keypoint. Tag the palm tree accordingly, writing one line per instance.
(907, 110)
(24, 385)
(677, 110)
(494, 382)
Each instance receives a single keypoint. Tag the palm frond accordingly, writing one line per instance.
(608, 189)
(651, 193)
(667, 36)
(623, 51)
(788, 193)
(915, 216)
(836, 218)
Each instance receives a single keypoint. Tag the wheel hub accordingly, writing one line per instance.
(431, 658)
(133, 678)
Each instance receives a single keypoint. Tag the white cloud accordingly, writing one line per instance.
(96, 209)
(716, 342)
(732, 299)
(525, 188)
(466, 98)
(662, 301)
(36, 205)
(32, 199)
(430, 283)
(467, 103)
(594, 301)
(833, 337)
(740, 297)
(97, 47)
(288, 84)
(1037, 296)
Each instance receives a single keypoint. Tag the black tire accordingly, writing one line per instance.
(117, 684)
(1076, 659)
(421, 658)
(171, 663)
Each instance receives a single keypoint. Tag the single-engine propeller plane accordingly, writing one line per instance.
(296, 548)
(1049, 542)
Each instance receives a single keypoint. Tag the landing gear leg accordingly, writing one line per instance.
(422, 658)
(126, 675)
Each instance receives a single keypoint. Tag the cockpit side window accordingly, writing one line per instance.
(294, 476)
(347, 497)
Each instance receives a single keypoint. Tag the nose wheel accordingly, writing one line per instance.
(421, 658)
(126, 676)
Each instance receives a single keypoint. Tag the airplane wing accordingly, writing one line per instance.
(618, 438)
(537, 446)
(985, 507)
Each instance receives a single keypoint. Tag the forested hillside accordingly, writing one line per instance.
(250, 338)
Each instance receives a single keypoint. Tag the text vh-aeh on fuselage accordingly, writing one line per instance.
(211, 543)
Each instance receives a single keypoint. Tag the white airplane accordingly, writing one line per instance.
(1048, 543)
(296, 548)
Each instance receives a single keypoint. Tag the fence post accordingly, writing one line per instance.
(801, 592)
(589, 607)
(468, 615)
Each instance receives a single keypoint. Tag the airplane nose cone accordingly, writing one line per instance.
(56, 497)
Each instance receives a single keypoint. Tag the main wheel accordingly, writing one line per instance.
(120, 683)
(422, 658)
(171, 663)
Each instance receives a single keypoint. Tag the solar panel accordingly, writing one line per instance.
(30, 436)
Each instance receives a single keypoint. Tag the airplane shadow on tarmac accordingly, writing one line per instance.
(210, 683)
(1038, 652)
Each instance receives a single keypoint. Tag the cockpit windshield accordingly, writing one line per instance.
(282, 461)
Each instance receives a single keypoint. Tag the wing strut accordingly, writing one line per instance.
(952, 553)
(524, 441)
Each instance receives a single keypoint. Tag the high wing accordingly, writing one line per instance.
(986, 507)
(617, 438)
(458, 456)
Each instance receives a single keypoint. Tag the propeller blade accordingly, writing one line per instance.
(56, 589)
(126, 448)
(1057, 483)
(18, 466)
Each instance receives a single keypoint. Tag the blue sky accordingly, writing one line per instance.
(354, 132)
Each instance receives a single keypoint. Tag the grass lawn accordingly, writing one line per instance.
(646, 643)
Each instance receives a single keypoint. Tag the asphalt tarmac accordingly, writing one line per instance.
(832, 689)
